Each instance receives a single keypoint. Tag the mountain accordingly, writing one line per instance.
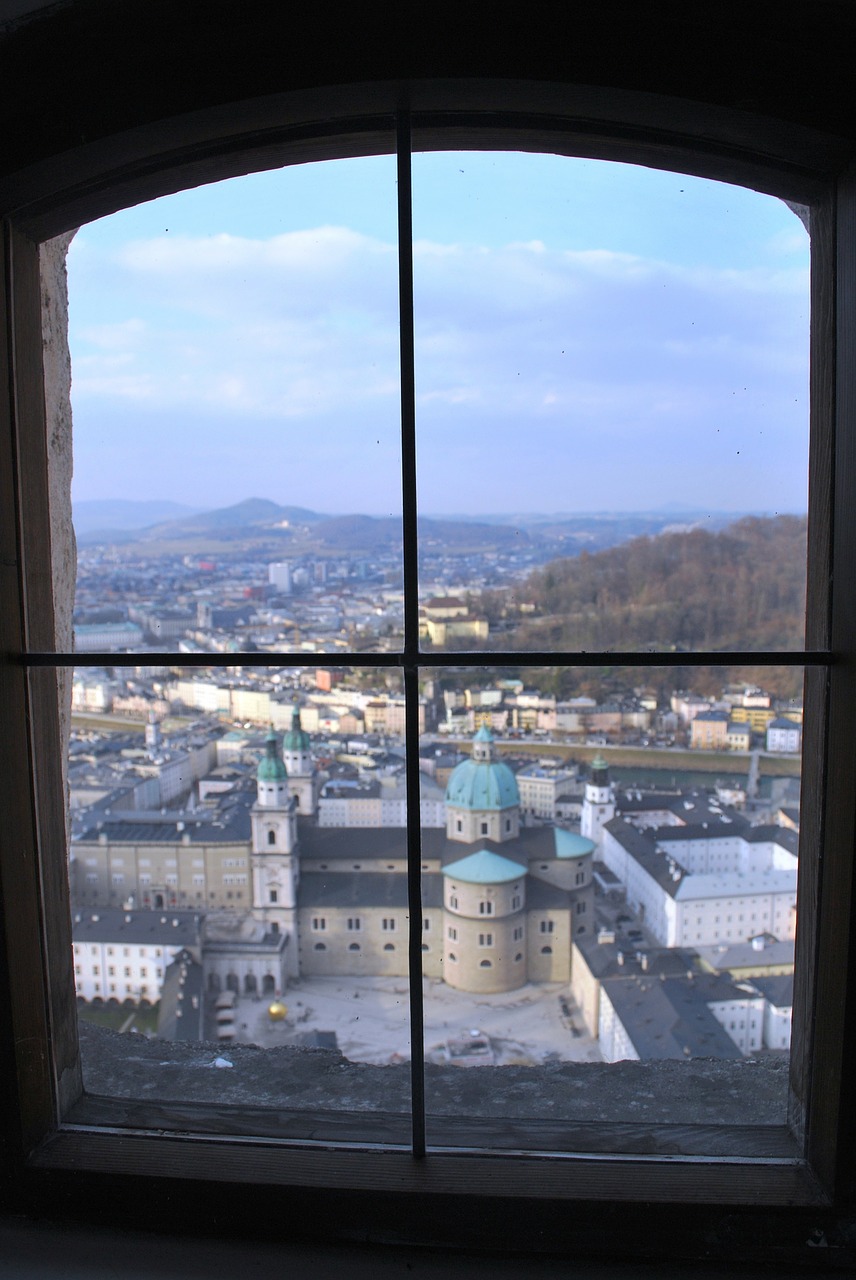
(237, 520)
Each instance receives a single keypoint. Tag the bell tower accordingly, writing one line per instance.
(276, 869)
(598, 802)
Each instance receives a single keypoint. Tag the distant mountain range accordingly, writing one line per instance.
(285, 529)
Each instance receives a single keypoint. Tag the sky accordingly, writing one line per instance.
(589, 337)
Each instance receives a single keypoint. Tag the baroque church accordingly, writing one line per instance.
(280, 897)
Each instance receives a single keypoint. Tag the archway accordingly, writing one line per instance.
(268, 985)
(251, 984)
(232, 983)
(214, 983)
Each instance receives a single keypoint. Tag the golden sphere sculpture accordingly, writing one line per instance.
(277, 1011)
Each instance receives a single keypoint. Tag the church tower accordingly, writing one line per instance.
(598, 803)
(274, 857)
(302, 779)
(482, 799)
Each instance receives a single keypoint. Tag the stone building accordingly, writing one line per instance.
(284, 896)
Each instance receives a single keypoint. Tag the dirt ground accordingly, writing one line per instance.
(371, 1020)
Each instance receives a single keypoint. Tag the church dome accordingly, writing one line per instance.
(271, 766)
(297, 739)
(482, 782)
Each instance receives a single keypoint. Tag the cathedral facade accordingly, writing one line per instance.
(501, 902)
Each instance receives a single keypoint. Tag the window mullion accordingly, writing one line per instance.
(411, 625)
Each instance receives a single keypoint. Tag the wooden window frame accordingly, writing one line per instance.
(40, 1061)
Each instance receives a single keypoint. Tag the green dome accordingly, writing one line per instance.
(297, 739)
(482, 782)
(571, 845)
(484, 867)
(271, 767)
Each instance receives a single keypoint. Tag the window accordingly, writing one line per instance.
(485, 939)
(272, 895)
(829, 1027)
(546, 926)
(354, 924)
(388, 924)
(485, 908)
(319, 924)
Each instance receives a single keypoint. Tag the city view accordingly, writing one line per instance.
(608, 852)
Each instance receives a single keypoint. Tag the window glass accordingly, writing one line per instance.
(645, 898)
(236, 415)
(612, 433)
(612, 407)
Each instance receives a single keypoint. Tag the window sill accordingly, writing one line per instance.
(699, 1131)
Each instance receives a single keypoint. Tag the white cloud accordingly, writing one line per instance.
(514, 344)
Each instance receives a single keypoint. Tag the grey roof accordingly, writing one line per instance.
(777, 989)
(541, 896)
(783, 836)
(137, 927)
(364, 889)
(669, 1018)
(602, 959)
(224, 823)
(362, 844)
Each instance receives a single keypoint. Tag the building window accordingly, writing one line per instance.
(271, 839)
(319, 924)
(547, 926)
(546, 951)
(484, 828)
(453, 902)
(389, 946)
(485, 964)
(354, 925)
(353, 946)
(515, 902)
(485, 912)
(320, 946)
(388, 924)
(453, 933)
(485, 908)
(518, 933)
(272, 895)
(485, 939)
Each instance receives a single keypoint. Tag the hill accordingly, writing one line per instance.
(741, 588)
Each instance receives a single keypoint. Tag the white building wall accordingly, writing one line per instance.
(777, 1027)
(120, 971)
(743, 1020)
(614, 1042)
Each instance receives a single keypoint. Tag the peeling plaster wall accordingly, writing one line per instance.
(57, 374)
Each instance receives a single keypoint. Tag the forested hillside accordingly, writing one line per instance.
(742, 588)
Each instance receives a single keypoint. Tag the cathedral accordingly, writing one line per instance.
(280, 897)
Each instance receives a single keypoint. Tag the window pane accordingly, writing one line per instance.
(238, 877)
(632, 900)
(236, 415)
(612, 408)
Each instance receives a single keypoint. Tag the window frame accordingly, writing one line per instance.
(42, 1065)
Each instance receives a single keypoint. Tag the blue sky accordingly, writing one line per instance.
(590, 337)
